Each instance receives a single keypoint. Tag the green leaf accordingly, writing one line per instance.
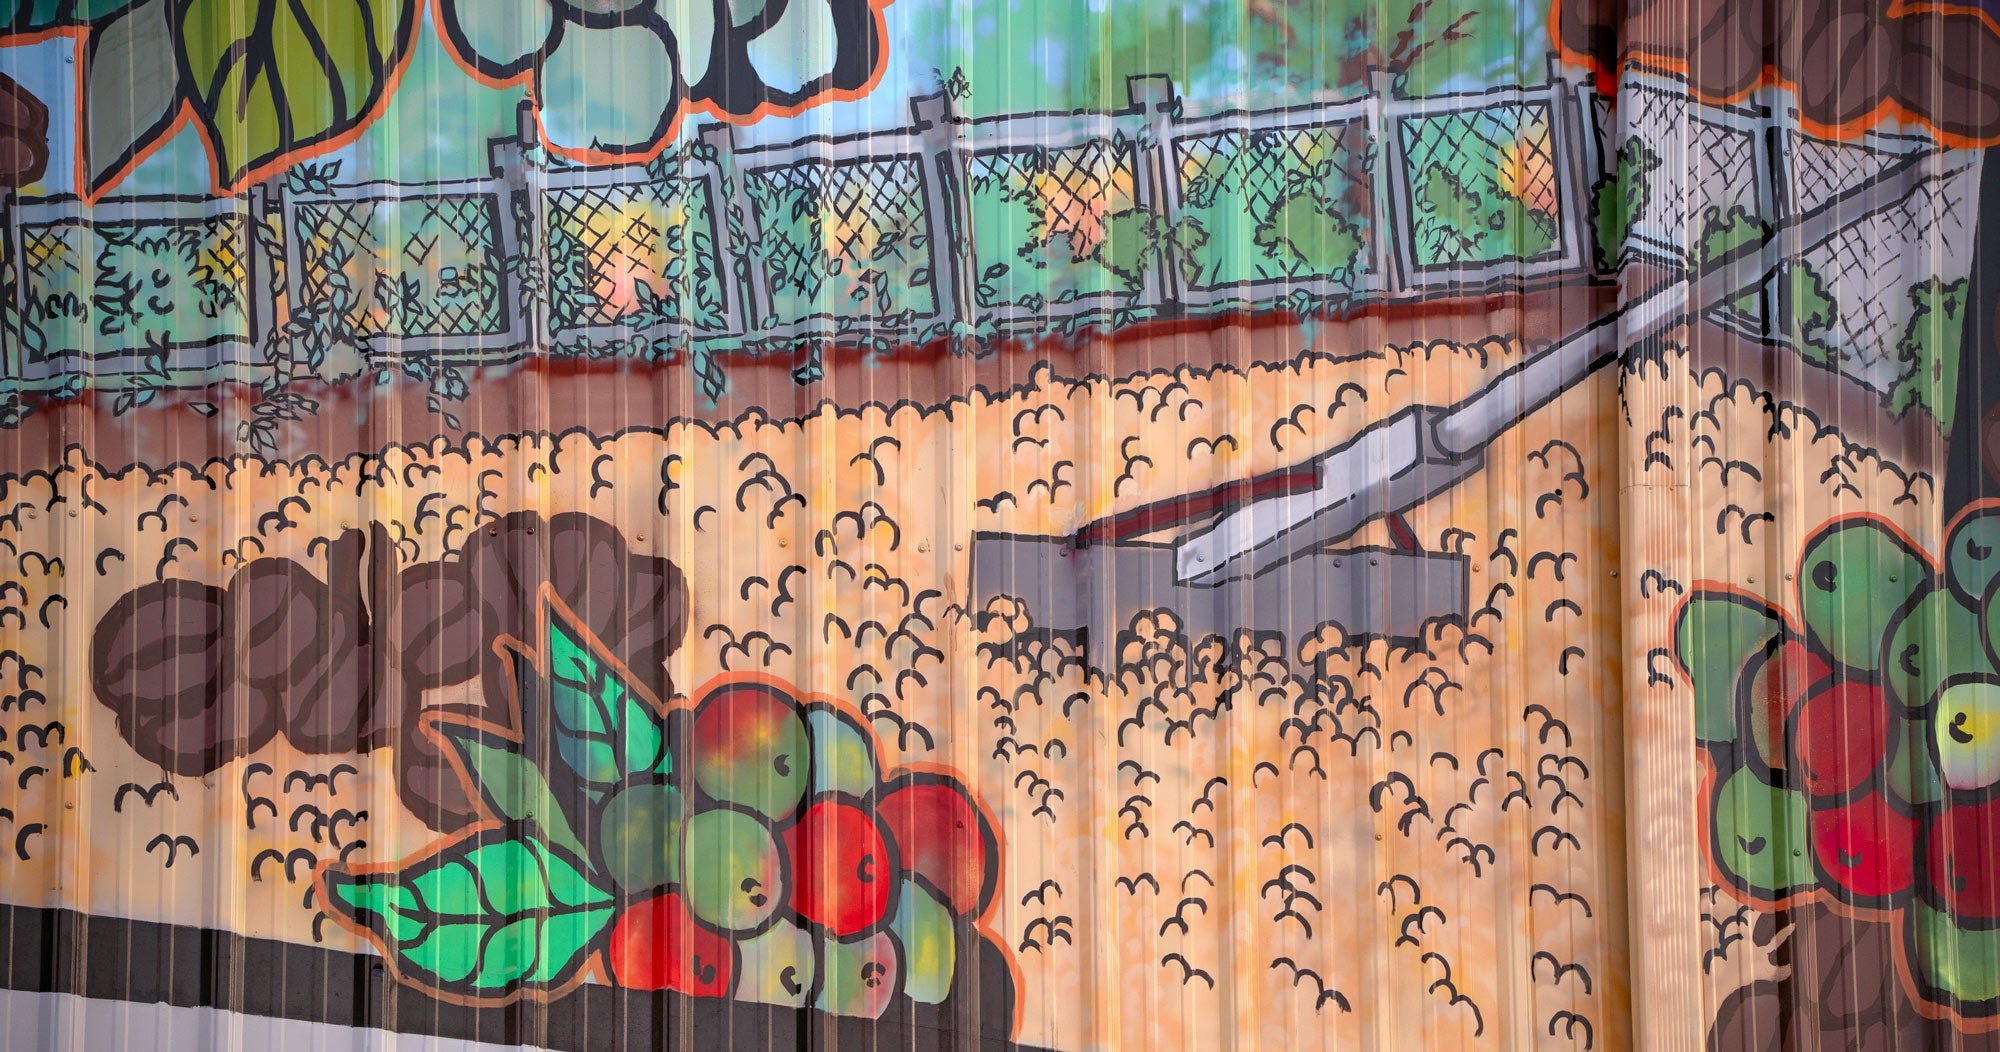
(128, 84)
(603, 729)
(1716, 634)
(513, 787)
(273, 78)
(483, 916)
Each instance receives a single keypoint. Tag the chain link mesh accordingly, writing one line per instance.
(1287, 203)
(427, 266)
(1482, 184)
(844, 239)
(134, 289)
(1854, 297)
(634, 254)
(1819, 170)
(1052, 226)
(1710, 170)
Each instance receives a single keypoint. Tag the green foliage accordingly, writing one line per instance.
(1278, 204)
(1308, 236)
(1620, 197)
(512, 787)
(485, 915)
(1456, 223)
(1722, 233)
(1129, 241)
(128, 286)
(1139, 238)
(603, 729)
(270, 78)
(865, 261)
(1927, 354)
(1072, 232)
(1810, 313)
(34, 16)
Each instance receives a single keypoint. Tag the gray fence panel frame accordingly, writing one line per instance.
(454, 349)
(1323, 115)
(192, 363)
(704, 178)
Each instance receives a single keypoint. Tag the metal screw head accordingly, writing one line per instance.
(1374, 562)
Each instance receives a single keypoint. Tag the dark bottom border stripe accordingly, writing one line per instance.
(112, 958)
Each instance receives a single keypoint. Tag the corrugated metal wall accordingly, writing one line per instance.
(995, 523)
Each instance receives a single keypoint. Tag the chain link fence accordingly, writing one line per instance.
(1484, 186)
(632, 254)
(154, 293)
(1278, 205)
(1053, 227)
(956, 227)
(1880, 302)
(423, 266)
(844, 240)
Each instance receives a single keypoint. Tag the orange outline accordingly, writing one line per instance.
(525, 79)
(552, 607)
(1886, 108)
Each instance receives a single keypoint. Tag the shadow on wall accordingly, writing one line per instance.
(1852, 64)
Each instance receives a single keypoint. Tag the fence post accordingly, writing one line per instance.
(1568, 136)
(12, 279)
(259, 207)
(1598, 162)
(1391, 194)
(1154, 99)
(507, 160)
(938, 123)
(751, 284)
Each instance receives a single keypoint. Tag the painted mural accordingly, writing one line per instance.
(597, 524)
